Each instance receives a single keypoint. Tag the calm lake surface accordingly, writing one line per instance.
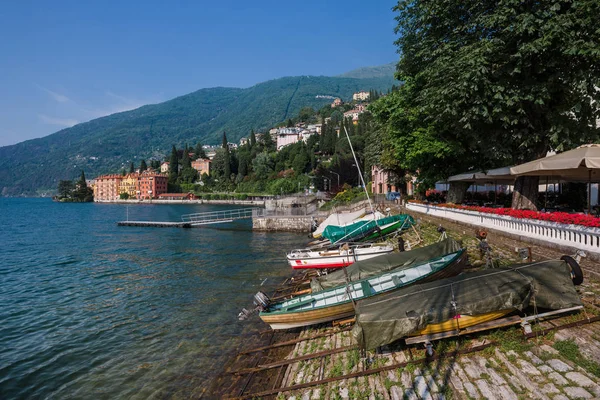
(92, 310)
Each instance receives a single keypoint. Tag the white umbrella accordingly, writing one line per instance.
(580, 164)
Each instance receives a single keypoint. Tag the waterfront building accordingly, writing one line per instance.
(244, 141)
(202, 165)
(152, 185)
(107, 187)
(337, 102)
(164, 167)
(130, 185)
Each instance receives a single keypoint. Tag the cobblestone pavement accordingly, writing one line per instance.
(561, 365)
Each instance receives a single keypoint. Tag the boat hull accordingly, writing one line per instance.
(463, 321)
(333, 260)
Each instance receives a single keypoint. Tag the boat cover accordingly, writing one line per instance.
(363, 228)
(386, 262)
(339, 219)
(389, 317)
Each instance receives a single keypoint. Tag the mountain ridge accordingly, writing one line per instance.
(108, 143)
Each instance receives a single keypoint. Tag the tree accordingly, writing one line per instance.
(263, 165)
(173, 166)
(155, 165)
(252, 139)
(289, 123)
(306, 114)
(143, 166)
(199, 151)
(494, 83)
(186, 162)
(81, 191)
(267, 142)
(65, 189)
(225, 144)
(131, 168)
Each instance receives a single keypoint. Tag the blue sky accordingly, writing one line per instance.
(64, 62)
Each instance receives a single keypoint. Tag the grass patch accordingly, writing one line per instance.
(511, 339)
(353, 359)
(569, 350)
(410, 368)
(338, 369)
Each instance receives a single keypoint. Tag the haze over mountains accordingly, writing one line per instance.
(109, 143)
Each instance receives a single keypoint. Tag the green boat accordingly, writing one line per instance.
(368, 230)
(338, 302)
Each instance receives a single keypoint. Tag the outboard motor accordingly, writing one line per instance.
(261, 303)
(261, 300)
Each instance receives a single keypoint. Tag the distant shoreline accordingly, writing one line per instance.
(260, 203)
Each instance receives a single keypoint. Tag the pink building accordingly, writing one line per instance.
(380, 182)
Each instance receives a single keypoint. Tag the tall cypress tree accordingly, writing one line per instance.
(252, 139)
(186, 162)
(225, 145)
(143, 166)
(131, 168)
(173, 166)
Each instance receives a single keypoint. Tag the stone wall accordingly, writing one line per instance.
(284, 224)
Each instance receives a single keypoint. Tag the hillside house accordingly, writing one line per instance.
(202, 165)
(361, 96)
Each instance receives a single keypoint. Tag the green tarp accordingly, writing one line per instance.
(387, 262)
(543, 285)
(362, 228)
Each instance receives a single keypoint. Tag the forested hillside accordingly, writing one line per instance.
(109, 143)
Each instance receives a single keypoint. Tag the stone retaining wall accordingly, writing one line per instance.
(285, 224)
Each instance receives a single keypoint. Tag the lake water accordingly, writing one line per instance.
(92, 310)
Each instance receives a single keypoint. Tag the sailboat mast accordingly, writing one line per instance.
(360, 173)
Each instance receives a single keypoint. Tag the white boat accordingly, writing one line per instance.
(336, 258)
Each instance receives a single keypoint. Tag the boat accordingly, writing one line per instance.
(343, 219)
(362, 230)
(342, 256)
(466, 300)
(387, 262)
(339, 302)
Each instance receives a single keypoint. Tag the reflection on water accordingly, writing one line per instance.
(92, 309)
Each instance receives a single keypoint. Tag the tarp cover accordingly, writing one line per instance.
(338, 219)
(387, 318)
(362, 228)
(387, 262)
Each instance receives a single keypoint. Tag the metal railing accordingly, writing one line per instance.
(215, 217)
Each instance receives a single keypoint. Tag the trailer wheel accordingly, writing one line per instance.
(576, 272)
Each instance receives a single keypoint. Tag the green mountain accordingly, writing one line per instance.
(110, 143)
(380, 71)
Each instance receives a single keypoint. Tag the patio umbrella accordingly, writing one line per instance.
(466, 177)
(577, 165)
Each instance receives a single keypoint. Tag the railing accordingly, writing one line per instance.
(215, 217)
(308, 210)
(554, 233)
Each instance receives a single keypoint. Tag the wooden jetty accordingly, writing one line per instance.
(155, 224)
